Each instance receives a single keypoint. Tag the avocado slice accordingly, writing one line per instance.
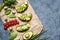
(27, 35)
(12, 16)
(23, 27)
(22, 7)
(7, 12)
(25, 17)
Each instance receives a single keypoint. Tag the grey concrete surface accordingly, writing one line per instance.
(48, 12)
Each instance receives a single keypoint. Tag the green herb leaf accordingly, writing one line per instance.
(13, 36)
(2, 6)
(9, 2)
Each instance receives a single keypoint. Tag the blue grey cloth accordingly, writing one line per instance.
(1, 1)
(48, 12)
(4, 34)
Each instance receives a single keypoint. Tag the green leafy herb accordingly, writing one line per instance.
(2, 6)
(9, 2)
(12, 6)
(13, 35)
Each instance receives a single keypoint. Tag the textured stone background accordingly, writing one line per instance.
(48, 12)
